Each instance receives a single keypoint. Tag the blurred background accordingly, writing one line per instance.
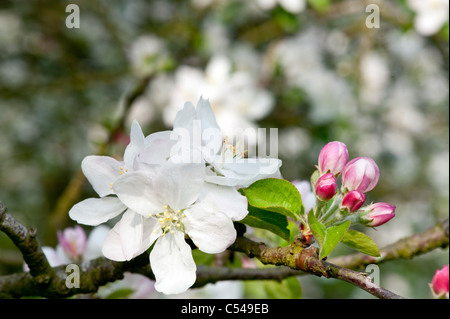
(318, 70)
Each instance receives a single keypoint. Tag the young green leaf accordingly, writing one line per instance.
(275, 195)
(289, 288)
(333, 236)
(274, 222)
(318, 230)
(361, 242)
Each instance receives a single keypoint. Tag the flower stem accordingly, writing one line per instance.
(332, 209)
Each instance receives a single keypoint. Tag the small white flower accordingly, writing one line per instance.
(293, 6)
(431, 15)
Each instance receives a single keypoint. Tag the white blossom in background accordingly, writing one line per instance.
(374, 77)
(301, 59)
(293, 6)
(11, 30)
(234, 94)
(147, 54)
(431, 15)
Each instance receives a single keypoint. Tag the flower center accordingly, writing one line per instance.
(121, 171)
(231, 151)
(170, 220)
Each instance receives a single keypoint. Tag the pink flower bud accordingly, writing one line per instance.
(326, 186)
(377, 214)
(73, 241)
(360, 174)
(439, 283)
(353, 200)
(332, 158)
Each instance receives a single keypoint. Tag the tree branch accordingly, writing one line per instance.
(296, 258)
(432, 238)
(299, 257)
(25, 239)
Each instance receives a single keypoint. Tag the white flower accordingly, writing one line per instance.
(147, 54)
(171, 201)
(226, 162)
(431, 15)
(293, 6)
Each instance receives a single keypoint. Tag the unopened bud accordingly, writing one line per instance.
(332, 158)
(377, 214)
(353, 200)
(360, 174)
(73, 241)
(439, 283)
(326, 186)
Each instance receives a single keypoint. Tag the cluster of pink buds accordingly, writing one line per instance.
(358, 176)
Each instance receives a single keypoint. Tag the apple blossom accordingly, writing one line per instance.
(171, 201)
(332, 158)
(360, 174)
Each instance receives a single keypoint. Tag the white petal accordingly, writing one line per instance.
(95, 242)
(225, 199)
(131, 233)
(137, 191)
(95, 211)
(113, 244)
(157, 151)
(250, 166)
(185, 117)
(172, 263)
(55, 258)
(101, 172)
(137, 143)
(180, 184)
(293, 6)
(212, 231)
(245, 172)
(112, 247)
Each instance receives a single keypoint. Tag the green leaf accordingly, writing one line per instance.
(275, 195)
(120, 293)
(333, 236)
(361, 242)
(317, 228)
(274, 222)
(289, 288)
(319, 5)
